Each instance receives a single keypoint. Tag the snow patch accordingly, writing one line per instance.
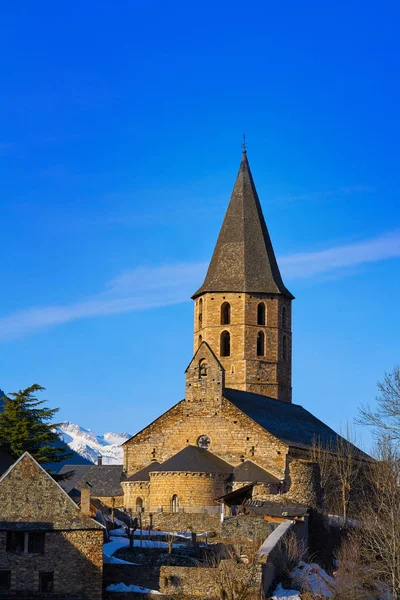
(280, 592)
(121, 587)
(312, 578)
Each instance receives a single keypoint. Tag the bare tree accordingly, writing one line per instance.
(340, 462)
(235, 575)
(381, 517)
(385, 419)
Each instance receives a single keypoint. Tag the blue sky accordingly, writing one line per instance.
(120, 137)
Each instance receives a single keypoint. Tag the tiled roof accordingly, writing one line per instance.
(195, 460)
(249, 471)
(143, 474)
(290, 423)
(244, 259)
(105, 480)
(78, 471)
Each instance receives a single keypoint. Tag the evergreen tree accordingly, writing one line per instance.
(26, 425)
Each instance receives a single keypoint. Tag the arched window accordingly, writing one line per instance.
(225, 343)
(284, 348)
(203, 368)
(284, 318)
(261, 314)
(200, 312)
(139, 504)
(225, 313)
(174, 504)
(260, 343)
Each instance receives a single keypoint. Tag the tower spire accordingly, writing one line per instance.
(243, 258)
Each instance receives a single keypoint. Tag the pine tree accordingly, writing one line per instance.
(26, 425)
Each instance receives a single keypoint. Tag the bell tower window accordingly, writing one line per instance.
(200, 312)
(260, 343)
(261, 314)
(225, 313)
(225, 344)
(284, 348)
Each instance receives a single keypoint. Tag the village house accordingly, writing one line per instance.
(48, 546)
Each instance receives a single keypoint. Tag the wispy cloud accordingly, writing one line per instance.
(151, 287)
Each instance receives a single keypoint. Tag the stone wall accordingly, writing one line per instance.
(134, 490)
(75, 557)
(234, 436)
(305, 483)
(246, 527)
(205, 581)
(269, 375)
(195, 491)
(188, 521)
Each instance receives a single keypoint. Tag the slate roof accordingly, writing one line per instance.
(249, 471)
(244, 259)
(195, 460)
(143, 474)
(78, 471)
(31, 499)
(290, 423)
(105, 480)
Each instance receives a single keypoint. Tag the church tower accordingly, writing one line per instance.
(243, 310)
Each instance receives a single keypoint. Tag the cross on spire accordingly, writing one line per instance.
(244, 144)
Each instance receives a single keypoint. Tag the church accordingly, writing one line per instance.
(237, 424)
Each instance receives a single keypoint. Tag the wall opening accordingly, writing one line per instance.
(261, 314)
(174, 504)
(200, 312)
(139, 504)
(284, 348)
(225, 349)
(225, 313)
(260, 343)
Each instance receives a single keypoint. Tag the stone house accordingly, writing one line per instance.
(48, 546)
(237, 424)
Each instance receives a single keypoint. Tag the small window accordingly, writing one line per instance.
(260, 343)
(175, 504)
(139, 505)
(15, 541)
(284, 348)
(46, 582)
(200, 312)
(284, 318)
(36, 543)
(5, 581)
(225, 343)
(225, 313)
(203, 368)
(261, 314)
(200, 341)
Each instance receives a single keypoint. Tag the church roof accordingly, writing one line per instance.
(290, 423)
(244, 259)
(143, 474)
(195, 460)
(249, 471)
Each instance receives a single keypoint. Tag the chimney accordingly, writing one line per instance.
(99, 460)
(85, 499)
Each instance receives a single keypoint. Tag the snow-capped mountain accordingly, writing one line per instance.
(89, 445)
